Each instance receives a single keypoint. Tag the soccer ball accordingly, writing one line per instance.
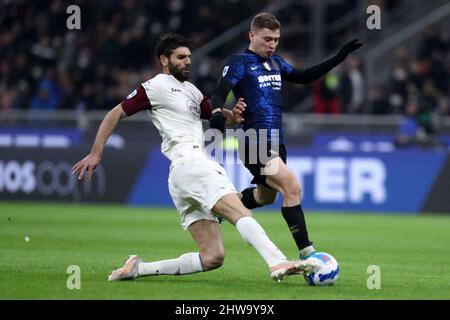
(328, 272)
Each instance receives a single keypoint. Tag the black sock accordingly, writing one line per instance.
(296, 221)
(248, 199)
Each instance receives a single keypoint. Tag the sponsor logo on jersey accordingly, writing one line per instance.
(272, 77)
(253, 67)
(175, 90)
(273, 81)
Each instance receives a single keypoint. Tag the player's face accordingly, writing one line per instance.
(179, 63)
(264, 41)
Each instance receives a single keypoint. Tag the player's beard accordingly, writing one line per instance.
(178, 72)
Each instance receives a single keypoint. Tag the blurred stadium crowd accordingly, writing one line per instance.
(419, 82)
(43, 65)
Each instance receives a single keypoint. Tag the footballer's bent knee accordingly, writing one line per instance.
(212, 260)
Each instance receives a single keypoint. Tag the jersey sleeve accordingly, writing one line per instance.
(285, 67)
(205, 109)
(234, 69)
(136, 101)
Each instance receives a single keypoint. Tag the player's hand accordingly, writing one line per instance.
(86, 166)
(217, 121)
(349, 47)
(238, 111)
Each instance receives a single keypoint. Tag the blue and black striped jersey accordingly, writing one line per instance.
(259, 82)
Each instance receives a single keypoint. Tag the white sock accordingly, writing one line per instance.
(184, 264)
(307, 251)
(252, 232)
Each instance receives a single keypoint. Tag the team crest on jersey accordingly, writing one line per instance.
(131, 95)
(225, 70)
(267, 65)
(194, 108)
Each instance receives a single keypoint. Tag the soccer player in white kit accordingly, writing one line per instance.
(199, 186)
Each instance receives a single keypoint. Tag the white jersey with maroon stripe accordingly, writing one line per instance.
(174, 108)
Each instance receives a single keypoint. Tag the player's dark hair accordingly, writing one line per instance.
(265, 20)
(169, 42)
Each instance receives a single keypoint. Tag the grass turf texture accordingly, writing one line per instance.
(412, 251)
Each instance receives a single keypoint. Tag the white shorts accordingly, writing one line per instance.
(195, 189)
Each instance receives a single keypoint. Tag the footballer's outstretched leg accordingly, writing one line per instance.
(231, 208)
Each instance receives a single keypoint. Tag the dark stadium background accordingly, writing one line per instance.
(56, 85)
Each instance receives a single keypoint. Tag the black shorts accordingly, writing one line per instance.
(253, 162)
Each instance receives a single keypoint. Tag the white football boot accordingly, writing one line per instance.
(129, 271)
(288, 268)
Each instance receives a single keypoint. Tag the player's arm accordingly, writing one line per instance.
(219, 114)
(135, 102)
(88, 164)
(232, 73)
(231, 118)
(234, 118)
(313, 73)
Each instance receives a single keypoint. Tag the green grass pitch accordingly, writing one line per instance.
(413, 253)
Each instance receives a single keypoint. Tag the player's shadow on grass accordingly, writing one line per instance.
(227, 283)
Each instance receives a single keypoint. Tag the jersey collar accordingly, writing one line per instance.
(254, 53)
